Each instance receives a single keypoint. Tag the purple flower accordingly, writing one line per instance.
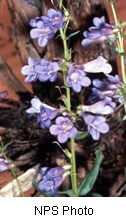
(98, 33)
(3, 165)
(54, 18)
(45, 27)
(63, 129)
(96, 125)
(108, 89)
(45, 112)
(104, 107)
(42, 32)
(47, 70)
(42, 71)
(77, 79)
(30, 71)
(100, 64)
(52, 179)
(111, 85)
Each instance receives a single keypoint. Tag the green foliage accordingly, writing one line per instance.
(70, 193)
(90, 179)
(81, 135)
(3, 147)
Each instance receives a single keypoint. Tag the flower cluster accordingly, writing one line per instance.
(43, 70)
(101, 102)
(45, 27)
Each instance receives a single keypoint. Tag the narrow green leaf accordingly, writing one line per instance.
(72, 34)
(81, 135)
(91, 177)
(6, 146)
(123, 24)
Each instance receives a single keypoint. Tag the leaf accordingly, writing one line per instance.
(123, 24)
(91, 177)
(72, 34)
(70, 193)
(81, 135)
(115, 49)
(6, 146)
(96, 195)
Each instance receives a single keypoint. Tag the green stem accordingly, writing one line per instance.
(120, 44)
(73, 167)
(68, 100)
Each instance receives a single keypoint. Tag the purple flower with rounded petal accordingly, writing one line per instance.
(104, 107)
(42, 32)
(54, 18)
(63, 129)
(77, 79)
(52, 179)
(45, 112)
(47, 70)
(98, 33)
(30, 70)
(100, 64)
(96, 125)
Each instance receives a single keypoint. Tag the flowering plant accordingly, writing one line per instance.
(62, 122)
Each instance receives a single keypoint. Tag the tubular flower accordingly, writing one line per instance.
(54, 18)
(44, 33)
(52, 179)
(30, 71)
(109, 88)
(63, 129)
(104, 107)
(45, 112)
(95, 125)
(47, 70)
(99, 65)
(77, 79)
(98, 33)
(45, 27)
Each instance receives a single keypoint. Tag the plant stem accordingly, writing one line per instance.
(68, 103)
(73, 167)
(120, 44)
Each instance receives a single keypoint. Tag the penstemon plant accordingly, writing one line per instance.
(62, 122)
